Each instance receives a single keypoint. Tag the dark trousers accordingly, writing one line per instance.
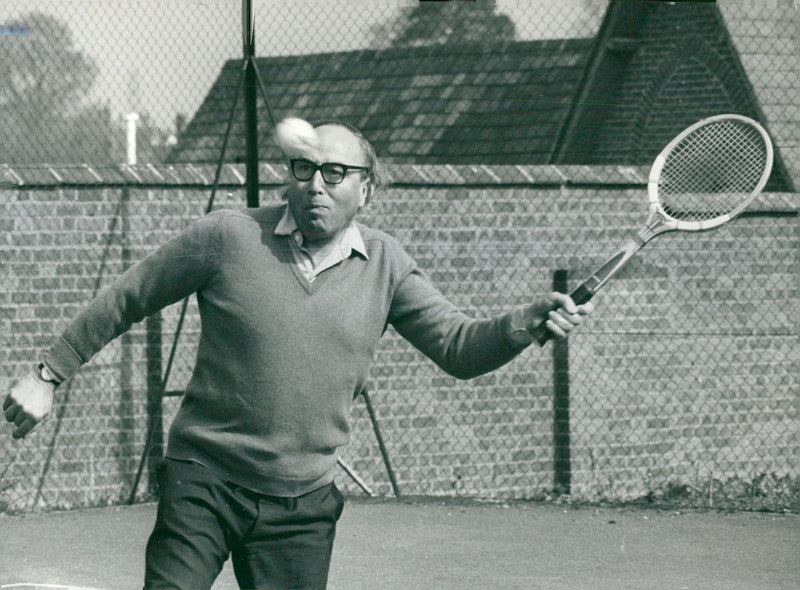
(275, 543)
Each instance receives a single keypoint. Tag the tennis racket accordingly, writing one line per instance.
(703, 178)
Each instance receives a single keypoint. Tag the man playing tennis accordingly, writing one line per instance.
(293, 300)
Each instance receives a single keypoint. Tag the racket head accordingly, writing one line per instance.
(709, 173)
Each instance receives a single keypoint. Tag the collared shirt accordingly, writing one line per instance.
(348, 241)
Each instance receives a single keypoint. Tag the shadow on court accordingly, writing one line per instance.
(421, 545)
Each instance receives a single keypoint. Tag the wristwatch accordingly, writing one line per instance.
(46, 374)
(518, 329)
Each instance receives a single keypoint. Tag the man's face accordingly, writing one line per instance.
(323, 209)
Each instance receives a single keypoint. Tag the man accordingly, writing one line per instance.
(293, 301)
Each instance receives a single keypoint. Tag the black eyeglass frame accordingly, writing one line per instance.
(322, 168)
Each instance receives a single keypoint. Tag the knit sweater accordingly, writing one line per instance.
(279, 359)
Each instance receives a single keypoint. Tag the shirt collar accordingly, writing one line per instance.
(349, 240)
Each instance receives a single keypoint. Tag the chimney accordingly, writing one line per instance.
(131, 119)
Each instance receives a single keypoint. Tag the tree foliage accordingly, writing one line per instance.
(433, 23)
(43, 67)
(45, 112)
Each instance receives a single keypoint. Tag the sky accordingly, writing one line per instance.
(162, 56)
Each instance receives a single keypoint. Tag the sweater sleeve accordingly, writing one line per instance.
(174, 271)
(461, 346)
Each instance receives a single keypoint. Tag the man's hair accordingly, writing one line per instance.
(377, 174)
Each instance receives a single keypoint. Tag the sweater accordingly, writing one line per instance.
(280, 359)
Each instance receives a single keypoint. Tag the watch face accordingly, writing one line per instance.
(46, 375)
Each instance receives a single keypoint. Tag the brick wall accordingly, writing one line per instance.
(685, 374)
(669, 86)
(697, 60)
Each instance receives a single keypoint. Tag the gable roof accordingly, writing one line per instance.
(764, 35)
(436, 104)
(657, 68)
(653, 69)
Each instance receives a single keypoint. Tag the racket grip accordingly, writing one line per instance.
(580, 296)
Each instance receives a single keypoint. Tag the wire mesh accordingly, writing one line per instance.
(520, 134)
(714, 171)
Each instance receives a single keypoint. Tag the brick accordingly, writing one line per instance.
(432, 421)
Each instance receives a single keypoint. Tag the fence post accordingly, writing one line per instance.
(250, 103)
(382, 447)
(561, 442)
(125, 404)
(154, 398)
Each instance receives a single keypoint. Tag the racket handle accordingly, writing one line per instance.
(580, 296)
(595, 282)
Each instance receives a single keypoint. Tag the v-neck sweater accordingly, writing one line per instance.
(280, 359)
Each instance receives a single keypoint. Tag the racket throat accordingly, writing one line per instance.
(594, 283)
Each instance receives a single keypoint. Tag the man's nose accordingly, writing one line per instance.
(316, 182)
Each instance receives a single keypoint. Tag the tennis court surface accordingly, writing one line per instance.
(424, 544)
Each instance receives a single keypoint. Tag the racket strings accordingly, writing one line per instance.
(712, 171)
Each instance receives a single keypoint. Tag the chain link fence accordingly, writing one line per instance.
(681, 389)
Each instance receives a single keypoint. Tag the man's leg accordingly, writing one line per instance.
(191, 538)
(290, 546)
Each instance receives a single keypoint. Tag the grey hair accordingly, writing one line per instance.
(377, 174)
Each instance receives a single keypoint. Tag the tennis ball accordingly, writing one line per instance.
(294, 135)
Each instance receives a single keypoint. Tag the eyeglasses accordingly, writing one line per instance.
(332, 172)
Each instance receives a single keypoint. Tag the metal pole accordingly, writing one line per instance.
(561, 438)
(250, 103)
(382, 447)
(162, 389)
(354, 476)
(155, 390)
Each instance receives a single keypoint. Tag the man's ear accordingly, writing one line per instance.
(366, 192)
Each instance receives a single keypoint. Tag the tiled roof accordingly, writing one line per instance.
(668, 85)
(672, 65)
(433, 104)
(654, 69)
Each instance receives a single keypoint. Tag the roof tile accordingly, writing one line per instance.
(422, 91)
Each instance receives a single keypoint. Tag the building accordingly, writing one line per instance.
(617, 98)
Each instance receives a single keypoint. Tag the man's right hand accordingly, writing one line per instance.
(28, 404)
